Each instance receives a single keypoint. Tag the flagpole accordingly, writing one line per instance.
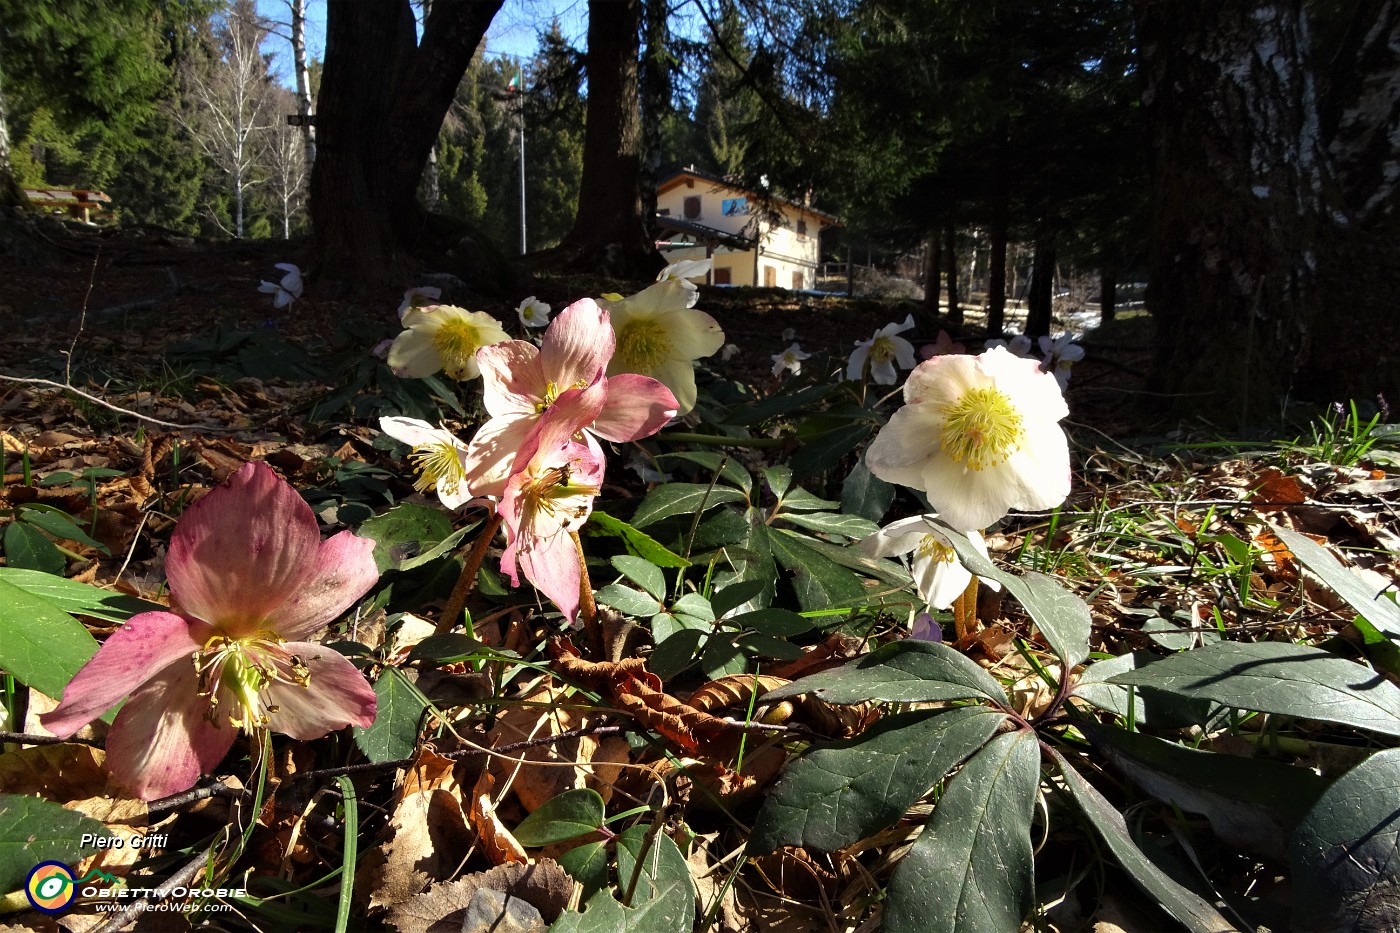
(521, 79)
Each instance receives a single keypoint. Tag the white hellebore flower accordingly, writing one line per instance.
(438, 455)
(286, 291)
(683, 272)
(443, 337)
(660, 335)
(1060, 355)
(533, 312)
(938, 574)
(980, 435)
(791, 358)
(883, 350)
(422, 296)
(728, 352)
(1020, 345)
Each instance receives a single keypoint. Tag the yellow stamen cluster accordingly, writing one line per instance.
(981, 429)
(246, 667)
(456, 342)
(437, 462)
(882, 350)
(936, 550)
(642, 346)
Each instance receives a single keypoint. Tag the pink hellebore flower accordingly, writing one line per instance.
(522, 384)
(550, 494)
(250, 581)
(943, 346)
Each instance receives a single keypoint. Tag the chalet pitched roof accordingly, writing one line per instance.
(705, 234)
(681, 176)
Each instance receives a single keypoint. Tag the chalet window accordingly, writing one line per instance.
(692, 208)
(723, 277)
(797, 280)
(770, 277)
(663, 211)
(801, 233)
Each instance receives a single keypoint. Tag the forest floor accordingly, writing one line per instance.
(1166, 525)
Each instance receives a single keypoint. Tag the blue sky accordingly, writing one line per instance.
(513, 32)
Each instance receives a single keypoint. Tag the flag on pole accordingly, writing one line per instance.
(514, 84)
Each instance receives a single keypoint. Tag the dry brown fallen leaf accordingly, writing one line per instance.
(497, 841)
(543, 884)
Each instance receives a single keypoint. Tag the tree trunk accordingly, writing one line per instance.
(950, 239)
(1040, 300)
(1237, 195)
(10, 192)
(1108, 295)
(382, 101)
(654, 91)
(303, 76)
(996, 272)
(933, 275)
(610, 232)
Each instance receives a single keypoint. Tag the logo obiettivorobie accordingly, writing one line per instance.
(50, 887)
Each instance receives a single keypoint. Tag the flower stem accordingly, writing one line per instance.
(457, 601)
(965, 612)
(587, 607)
(718, 440)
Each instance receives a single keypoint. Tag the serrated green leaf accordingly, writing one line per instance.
(725, 601)
(772, 621)
(972, 870)
(900, 672)
(29, 549)
(766, 646)
(78, 598)
(1376, 607)
(780, 404)
(694, 606)
(394, 732)
(1062, 617)
(404, 532)
(823, 451)
(820, 582)
(1272, 677)
(729, 469)
(835, 523)
(437, 551)
(34, 830)
(852, 558)
(681, 499)
(778, 480)
(40, 644)
(643, 545)
(643, 573)
(844, 792)
(721, 658)
(865, 494)
(1185, 905)
(1141, 706)
(567, 816)
(447, 648)
(628, 601)
(588, 864)
(60, 524)
(753, 560)
(1346, 853)
(798, 499)
(675, 650)
(662, 899)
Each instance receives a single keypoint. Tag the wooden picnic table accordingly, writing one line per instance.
(76, 202)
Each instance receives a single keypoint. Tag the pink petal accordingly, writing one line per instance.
(513, 379)
(573, 411)
(552, 566)
(637, 407)
(336, 696)
(242, 550)
(492, 452)
(142, 648)
(342, 571)
(162, 741)
(578, 344)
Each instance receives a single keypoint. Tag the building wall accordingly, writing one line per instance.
(786, 258)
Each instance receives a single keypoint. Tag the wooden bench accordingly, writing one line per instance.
(76, 202)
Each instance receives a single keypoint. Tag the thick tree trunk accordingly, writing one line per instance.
(1237, 192)
(1040, 299)
(996, 272)
(1108, 295)
(610, 230)
(382, 101)
(950, 246)
(303, 78)
(933, 274)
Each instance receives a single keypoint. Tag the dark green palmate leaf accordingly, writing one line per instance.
(1185, 905)
(865, 494)
(78, 598)
(40, 644)
(30, 549)
(404, 532)
(600, 524)
(1140, 706)
(972, 868)
(841, 793)
(394, 732)
(1346, 854)
(1062, 617)
(662, 899)
(1253, 804)
(572, 814)
(681, 499)
(901, 672)
(34, 831)
(820, 582)
(1377, 607)
(1273, 677)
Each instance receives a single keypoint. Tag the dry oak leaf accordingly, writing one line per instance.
(542, 773)
(497, 841)
(428, 834)
(440, 909)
